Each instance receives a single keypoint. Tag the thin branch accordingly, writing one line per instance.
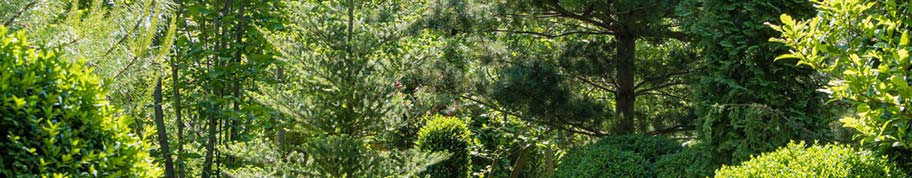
(595, 84)
(20, 12)
(647, 90)
(547, 35)
(575, 129)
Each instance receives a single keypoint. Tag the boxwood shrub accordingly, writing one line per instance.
(447, 134)
(55, 122)
(797, 161)
(617, 156)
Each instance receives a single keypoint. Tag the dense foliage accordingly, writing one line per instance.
(598, 160)
(688, 163)
(796, 160)
(56, 121)
(633, 156)
(447, 134)
(743, 95)
(864, 46)
(448, 88)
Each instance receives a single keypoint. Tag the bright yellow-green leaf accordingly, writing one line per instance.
(904, 39)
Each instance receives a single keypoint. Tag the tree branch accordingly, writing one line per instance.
(595, 84)
(20, 12)
(574, 129)
(647, 90)
(547, 35)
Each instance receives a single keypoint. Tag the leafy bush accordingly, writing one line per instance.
(617, 156)
(868, 64)
(650, 147)
(55, 121)
(602, 160)
(689, 163)
(451, 135)
(796, 160)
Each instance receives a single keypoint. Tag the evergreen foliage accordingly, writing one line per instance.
(602, 160)
(447, 134)
(796, 161)
(689, 163)
(743, 95)
(56, 121)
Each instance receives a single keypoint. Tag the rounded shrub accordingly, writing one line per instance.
(55, 122)
(796, 160)
(617, 156)
(650, 147)
(688, 163)
(448, 134)
(601, 160)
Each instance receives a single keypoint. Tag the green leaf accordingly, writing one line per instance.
(904, 39)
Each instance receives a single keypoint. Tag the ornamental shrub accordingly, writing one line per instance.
(688, 163)
(617, 156)
(650, 147)
(448, 134)
(55, 122)
(602, 160)
(796, 160)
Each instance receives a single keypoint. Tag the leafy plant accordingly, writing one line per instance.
(602, 160)
(56, 122)
(864, 46)
(691, 162)
(742, 95)
(447, 134)
(797, 161)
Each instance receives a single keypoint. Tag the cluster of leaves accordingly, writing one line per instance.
(56, 122)
(863, 45)
(451, 135)
(742, 94)
(796, 160)
(620, 156)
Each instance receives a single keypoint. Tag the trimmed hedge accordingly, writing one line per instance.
(451, 135)
(55, 121)
(797, 161)
(598, 160)
(689, 163)
(650, 147)
(617, 156)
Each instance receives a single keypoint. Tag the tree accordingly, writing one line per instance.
(743, 95)
(863, 45)
(615, 28)
(343, 58)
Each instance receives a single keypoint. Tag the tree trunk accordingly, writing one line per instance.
(162, 133)
(625, 98)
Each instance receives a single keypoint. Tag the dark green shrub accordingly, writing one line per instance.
(451, 135)
(601, 160)
(617, 156)
(55, 121)
(650, 147)
(796, 160)
(688, 163)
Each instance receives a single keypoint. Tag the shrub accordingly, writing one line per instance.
(688, 163)
(601, 160)
(650, 147)
(796, 160)
(617, 156)
(451, 135)
(55, 121)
